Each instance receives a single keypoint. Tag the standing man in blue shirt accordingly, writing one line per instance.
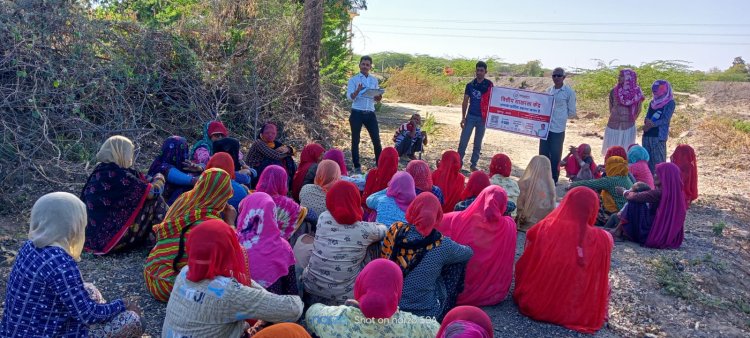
(565, 107)
(363, 110)
(477, 100)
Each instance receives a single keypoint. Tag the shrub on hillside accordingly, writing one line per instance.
(597, 83)
(417, 85)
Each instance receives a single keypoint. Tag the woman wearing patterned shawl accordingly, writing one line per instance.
(624, 107)
(492, 237)
(420, 171)
(617, 176)
(268, 151)
(289, 215)
(538, 195)
(311, 155)
(207, 200)
(433, 265)
(684, 158)
(173, 164)
(466, 322)
(566, 261)
(270, 255)
(313, 196)
(656, 124)
(449, 179)
(121, 204)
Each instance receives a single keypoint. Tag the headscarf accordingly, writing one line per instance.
(59, 219)
(259, 235)
(378, 289)
(500, 165)
(469, 314)
(222, 161)
(114, 195)
(449, 179)
(464, 329)
(230, 146)
(273, 181)
(401, 189)
(213, 251)
(283, 330)
(328, 173)
(628, 93)
(118, 150)
(207, 199)
(564, 255)
(637, 153)
(337, 156)
(684, 158)
(342, 201)
(378, 178)
(614, 166)
(420, 172)
(423, 215)
(538, 195)
(309, 156)
(572, 167)
(662, 91)
(174, 151)
(478, 180)
(615, 151)
(210, 128)
(668, 226)
(492, 237)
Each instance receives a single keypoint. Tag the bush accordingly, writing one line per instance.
(415, 84)
(598, 82)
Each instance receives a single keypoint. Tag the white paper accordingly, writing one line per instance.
(372, 92)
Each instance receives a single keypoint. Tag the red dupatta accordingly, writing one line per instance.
(449, 179)
(310, 155)
(684, 157)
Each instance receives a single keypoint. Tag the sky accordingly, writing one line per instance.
(569, 33)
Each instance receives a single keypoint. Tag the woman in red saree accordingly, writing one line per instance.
(311, 155)
(684, 158)
(449, 179)
(378, 178)
(492, 236)
(563, 275)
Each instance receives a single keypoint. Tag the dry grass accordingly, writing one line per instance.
(414, 85)
(730, 144)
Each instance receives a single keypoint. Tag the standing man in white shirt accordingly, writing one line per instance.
(565, 107)
(363, 110)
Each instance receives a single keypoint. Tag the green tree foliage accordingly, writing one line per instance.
(596, 83)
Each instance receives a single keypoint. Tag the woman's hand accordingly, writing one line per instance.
(283, 149)
(230, 215)
(131, 305)
(191, 167)
(620, 190)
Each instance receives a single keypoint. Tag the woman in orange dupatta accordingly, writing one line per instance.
(563, 275)
(449, 179)
(492, 236)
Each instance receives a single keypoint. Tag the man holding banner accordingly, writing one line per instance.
(564, 108)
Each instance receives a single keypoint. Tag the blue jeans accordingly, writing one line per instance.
(472, 122)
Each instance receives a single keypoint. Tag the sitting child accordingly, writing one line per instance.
(616, 219)
(409, 138)
(578, 164)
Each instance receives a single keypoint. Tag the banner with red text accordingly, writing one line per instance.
(520, 111)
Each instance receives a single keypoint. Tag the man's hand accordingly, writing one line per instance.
(356, 91)
(378, 98)
(463, 123)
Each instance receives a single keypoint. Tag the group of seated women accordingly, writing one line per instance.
(386, 257)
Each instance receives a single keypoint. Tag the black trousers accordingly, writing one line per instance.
(552, 149)
(357, 119)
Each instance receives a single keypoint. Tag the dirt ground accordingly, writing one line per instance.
(699, 290)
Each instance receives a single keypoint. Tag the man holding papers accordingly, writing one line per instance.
(363, 90)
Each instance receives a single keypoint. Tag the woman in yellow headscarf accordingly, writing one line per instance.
(617, 176)
(122, 206)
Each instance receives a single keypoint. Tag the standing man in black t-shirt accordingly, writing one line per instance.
(477, 100)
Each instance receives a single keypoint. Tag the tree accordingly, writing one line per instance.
(308, 83)
(738, 66)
